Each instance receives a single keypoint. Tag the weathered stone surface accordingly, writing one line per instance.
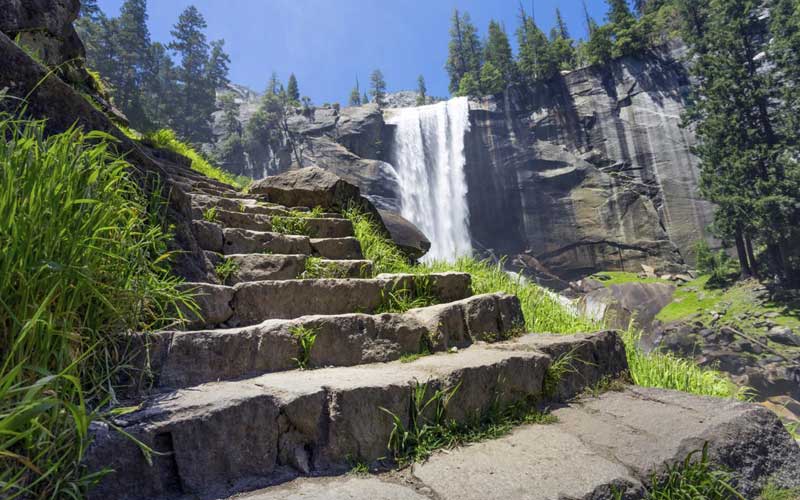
(618, 304)
(182, 359)
(360, 129)
(258, 301)
(238, 241)
(209, 235)
(405, 235)
(446, 287)
(619, 438)
(784, 335)
(591, 358)
(259, 267)
(213, 304)
(203, 202)
(45, 26)
(337, 248)
(308, 187)
(351, 488)
(333, 413)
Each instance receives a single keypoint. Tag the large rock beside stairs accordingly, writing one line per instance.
(405, 235)
(308, 187)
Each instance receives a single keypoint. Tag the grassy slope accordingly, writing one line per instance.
(543, 314)
(738, 305)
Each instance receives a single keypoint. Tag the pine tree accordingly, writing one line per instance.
(218, 66)
(422, 91)
(743, 168)
(196, 105)
(132, 44)
(292, 90)
(561, 26)
(536, 60)
(465, 53)
(599, 49)
(628, 35)
(355, 95)
(365, 98)
(591, 24)
(377, 87)
(498, 52)
(90, 11)
(493, 81)
(274, 84)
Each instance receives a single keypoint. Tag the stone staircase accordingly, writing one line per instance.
(282, 376)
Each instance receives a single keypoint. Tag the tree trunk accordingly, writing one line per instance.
(741, 252)
(751, 256)
(776, 258)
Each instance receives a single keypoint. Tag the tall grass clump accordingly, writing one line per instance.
(83, 259)
(166, 139)
(665, 370)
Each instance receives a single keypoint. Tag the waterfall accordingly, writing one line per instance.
(428, 155)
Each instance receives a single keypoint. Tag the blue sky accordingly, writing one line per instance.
(326, 43)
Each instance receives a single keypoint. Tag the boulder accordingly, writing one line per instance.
(45, 27)
(618, 304)
(308, 187)
(783, 335)
(405, 235)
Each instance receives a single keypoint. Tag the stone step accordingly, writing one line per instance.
(614, 441)
(260, 267)
(253, 302)
(214, 238)
(252, 204)
(224, 436)
(316, 227)
(183, 359)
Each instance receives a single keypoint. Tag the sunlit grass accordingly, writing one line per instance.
(83, 258)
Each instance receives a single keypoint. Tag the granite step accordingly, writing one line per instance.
(250, 303)
(214, 238)
(317, 227)
(180, 359)
(221, 437)
(260, 267)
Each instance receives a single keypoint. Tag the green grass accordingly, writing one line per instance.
(291, 225)
(166, 139)
(692, 479)
(774, 492)
(210, 214)
(429, 428)
(667, 371)
(83, 258)
(226, 269)
(609, 278)
(543, 314)
(402, 298)
(306, 337)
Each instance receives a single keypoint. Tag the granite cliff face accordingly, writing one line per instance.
(590, 172)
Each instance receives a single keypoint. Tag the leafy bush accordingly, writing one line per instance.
(166, 139)
(82, 259)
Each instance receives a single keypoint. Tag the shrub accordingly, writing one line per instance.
(719, 266)
(82, 259)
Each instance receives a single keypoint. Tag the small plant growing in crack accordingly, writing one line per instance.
(402, 298)
(210, 214)
(561, 366)
(317, 268)
(291, 225)
(226, 269)
(358, 467)
(306, 337)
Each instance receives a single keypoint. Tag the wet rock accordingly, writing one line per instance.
(405, 235)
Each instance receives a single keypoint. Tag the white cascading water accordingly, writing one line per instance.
(428, 156)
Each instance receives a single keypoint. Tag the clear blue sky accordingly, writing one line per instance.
(326, 43)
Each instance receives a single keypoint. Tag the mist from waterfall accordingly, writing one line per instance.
(428, 155)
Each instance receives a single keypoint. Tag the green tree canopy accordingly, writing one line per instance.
(378, 87)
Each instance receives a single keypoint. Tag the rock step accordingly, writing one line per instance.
(310, 226)
(613, 441)
(213, 238)
(252, 205)
(184, 359)
(221, 436)
(260, 267)
(253, 302)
